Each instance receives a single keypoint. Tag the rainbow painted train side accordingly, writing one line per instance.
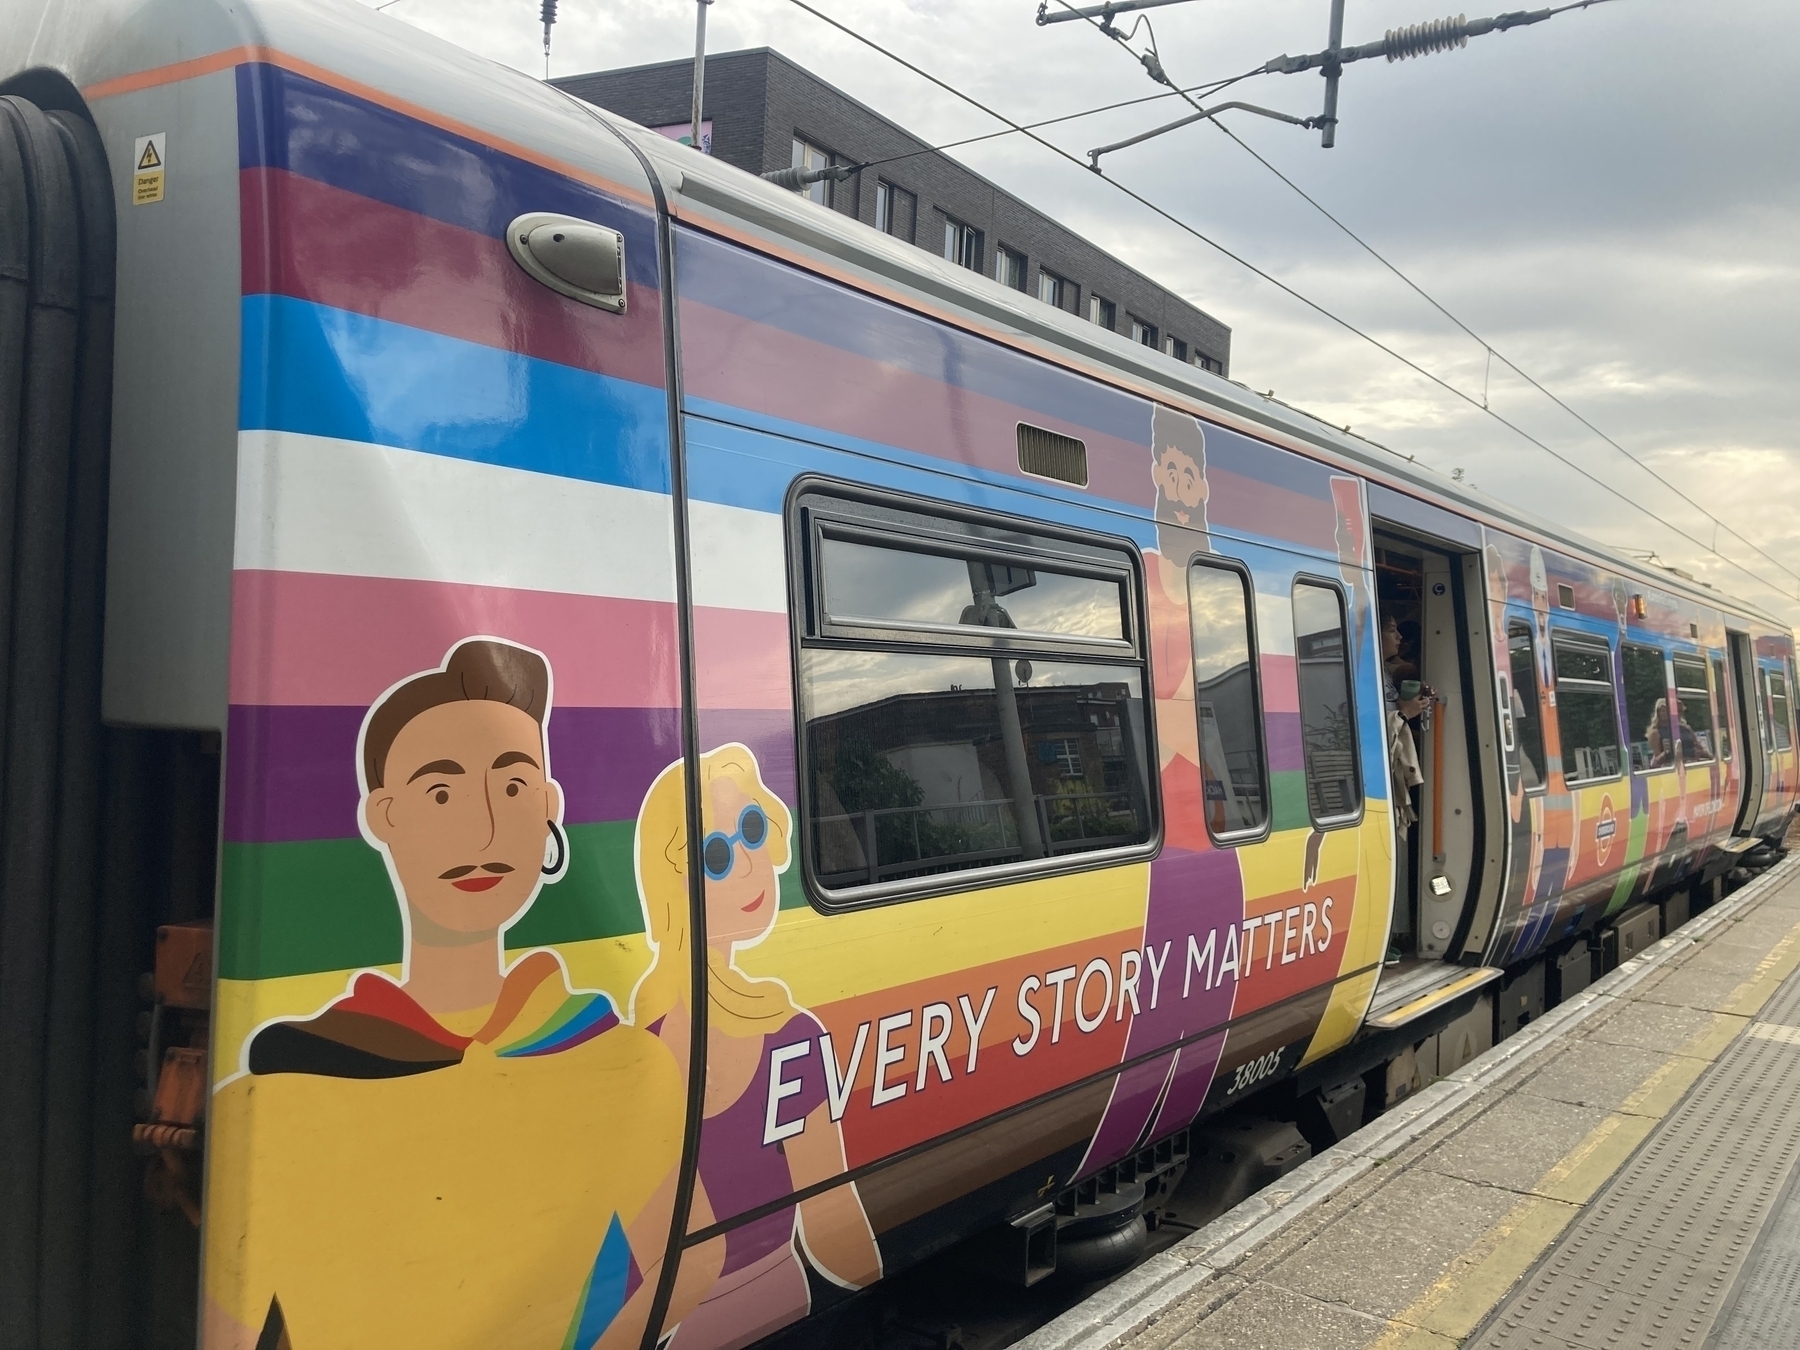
(629, 928)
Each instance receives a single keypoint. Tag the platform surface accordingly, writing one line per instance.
(1622, 1173)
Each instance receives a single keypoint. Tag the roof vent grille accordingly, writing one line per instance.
(1047, 454)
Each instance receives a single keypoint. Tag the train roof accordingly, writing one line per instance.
(102, 43)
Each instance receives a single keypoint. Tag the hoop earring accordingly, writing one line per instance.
(562, 850)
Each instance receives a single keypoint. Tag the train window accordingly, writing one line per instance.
(973, 697)
(1647, 721)
(1327, 714)
(1778, 708)
(1694, 729)
(1233, 770)
(1527, 721)
(1721, 688)
(1587, 709)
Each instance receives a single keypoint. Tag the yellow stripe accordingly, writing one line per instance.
(828, 957)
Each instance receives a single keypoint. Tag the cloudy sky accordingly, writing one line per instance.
(1611, 199)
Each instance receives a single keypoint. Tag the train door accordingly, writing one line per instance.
(1444, 858)
(1750, 718)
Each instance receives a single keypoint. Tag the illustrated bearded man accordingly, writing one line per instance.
(450, 1157)
(1178, 468)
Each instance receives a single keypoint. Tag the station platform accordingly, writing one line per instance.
(1620, 1173)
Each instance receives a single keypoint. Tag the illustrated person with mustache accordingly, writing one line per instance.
(468, 1152)
(458, 798)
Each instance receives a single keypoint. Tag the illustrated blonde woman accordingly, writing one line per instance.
(756, 1147)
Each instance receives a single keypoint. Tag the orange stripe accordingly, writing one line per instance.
(181, 70)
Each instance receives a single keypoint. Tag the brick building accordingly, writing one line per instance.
(763, 112)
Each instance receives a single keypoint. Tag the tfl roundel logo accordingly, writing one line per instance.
(1604, 829)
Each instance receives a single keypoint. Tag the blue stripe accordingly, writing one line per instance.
(754, 287)
(287, 121)
(330, 372)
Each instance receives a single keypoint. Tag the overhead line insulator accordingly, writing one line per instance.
(1421, 39)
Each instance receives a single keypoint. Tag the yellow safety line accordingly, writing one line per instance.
(1406, 1012)
(1484, 1273)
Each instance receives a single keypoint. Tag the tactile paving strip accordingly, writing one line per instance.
(1764, 1310)
(1652, 1260)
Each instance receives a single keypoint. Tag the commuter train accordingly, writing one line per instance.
(672, 755)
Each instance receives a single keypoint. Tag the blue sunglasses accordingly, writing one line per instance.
(752, 830)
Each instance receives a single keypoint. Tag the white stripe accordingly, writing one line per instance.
(1767, 1031)
(740, 559)
(316, 504)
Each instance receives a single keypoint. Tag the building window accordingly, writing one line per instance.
(1009, 267)
(896, 210)
(1647, 707)
(962, 244)
(1101, 312)
(1233, 774)
(1143, 332)
(809, 156)
(1053, 290)
(1207, 363)
(1327, 714)
(1587, 709)
(1175, 347)
(972, 697)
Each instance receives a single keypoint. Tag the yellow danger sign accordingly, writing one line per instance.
(150, 156)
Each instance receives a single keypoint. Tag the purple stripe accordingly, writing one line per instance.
(291, 771)
(1285, 747)
(770, 735)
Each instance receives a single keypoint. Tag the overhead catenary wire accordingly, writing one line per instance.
(1499, 24)
(1280, 285)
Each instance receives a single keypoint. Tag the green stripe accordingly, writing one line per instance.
(292, 909)
(1287, 795)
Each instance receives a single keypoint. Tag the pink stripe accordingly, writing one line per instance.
(741, 659)
(319, 243)
(1280, 684)
(734, 360)
(309, 638)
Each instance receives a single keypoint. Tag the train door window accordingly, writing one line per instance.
(972, 696)
(1694, 727)
(1647, 722)
(1227, 702)
(1776, 682)
(1527, 720)
(1587, 708)
(1327, 714)
(1724, 718)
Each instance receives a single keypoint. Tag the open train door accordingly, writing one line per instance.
(1450, 845)
(1755, 730)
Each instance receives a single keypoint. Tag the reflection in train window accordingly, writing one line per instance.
(1327, 715)
(1587, 709)
(972, 698)
(1528, 724)
(866, 582)
(1721, 689)
(1694, 729)
(1647, 721)
(1778, 708)
(1233, 775)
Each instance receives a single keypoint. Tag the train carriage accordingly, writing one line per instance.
(718, 755)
